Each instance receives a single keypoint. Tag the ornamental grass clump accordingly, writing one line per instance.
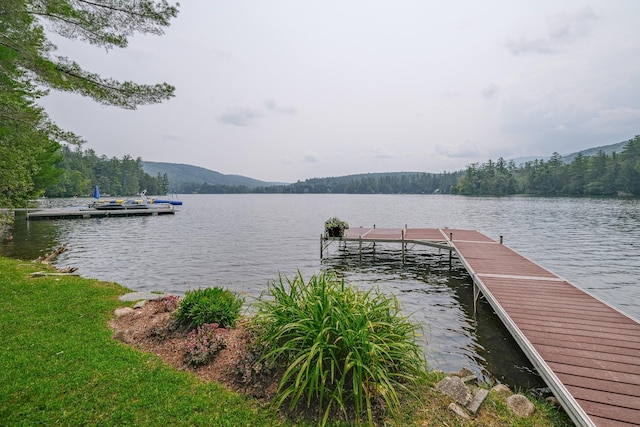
(209, 305)
(341, 348)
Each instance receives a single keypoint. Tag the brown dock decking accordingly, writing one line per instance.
(587, 352)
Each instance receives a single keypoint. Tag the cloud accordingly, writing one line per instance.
(562, 30)
(489, 91)
(271, 105)
(383, 153)
(613, 119)
(450, 94)
(311, 158)
(460, 150)
(245, 117)
(171, 137)
(242, 117)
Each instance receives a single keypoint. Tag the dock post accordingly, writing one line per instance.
(500, 239)
(321, 245)
(450, 251)
(360, 247)
(403, 248)
(476, 294)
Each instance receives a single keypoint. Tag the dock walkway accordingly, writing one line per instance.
(586, 351)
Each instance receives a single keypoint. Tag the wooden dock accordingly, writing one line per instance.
(75, 213)
(587, 351)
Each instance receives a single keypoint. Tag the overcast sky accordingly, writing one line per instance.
(289, 90)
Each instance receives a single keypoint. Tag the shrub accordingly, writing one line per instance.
(251, 368)
(204, 343)
(210, 305)
(340, 346)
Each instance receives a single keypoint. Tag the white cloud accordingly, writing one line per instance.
(461, 150)
(171, 137)
(271, 105)
(311, 158)
(563, 29)
(489, 91)
(241, 117)
(383, 153)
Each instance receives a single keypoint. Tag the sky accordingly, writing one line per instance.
(285, 90)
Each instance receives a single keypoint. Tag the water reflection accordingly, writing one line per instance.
(30, 240)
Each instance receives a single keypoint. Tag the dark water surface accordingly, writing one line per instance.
(242, 241)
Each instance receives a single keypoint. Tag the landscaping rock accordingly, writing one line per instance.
(520, 405)
(123, 311)
(140, 304)
(455, 388)
(477, 400)
(501, 389)
(459, 411)
(139, 296)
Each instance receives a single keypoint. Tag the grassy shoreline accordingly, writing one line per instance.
(60, 365)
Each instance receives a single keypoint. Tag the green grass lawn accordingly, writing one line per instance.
(60, 366)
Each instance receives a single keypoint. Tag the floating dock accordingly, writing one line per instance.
(587, 351)
(75, 212)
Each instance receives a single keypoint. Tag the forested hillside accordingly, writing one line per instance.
(82, 170)
(599, 175)
(374, 183)
(606, 173)
(188, 178)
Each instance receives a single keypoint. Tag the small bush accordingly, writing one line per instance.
(342, 348)
(210, 305)
(251, 368)
(204, 343)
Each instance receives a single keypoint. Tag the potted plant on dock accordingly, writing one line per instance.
(334, 227)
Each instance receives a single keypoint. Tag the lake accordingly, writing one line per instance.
(243, 241)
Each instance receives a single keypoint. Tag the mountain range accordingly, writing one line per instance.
(180, 174)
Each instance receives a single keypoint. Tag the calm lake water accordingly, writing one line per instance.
(243, 241)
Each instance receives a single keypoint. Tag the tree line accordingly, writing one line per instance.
(77, 172)
(82, 170)
(617, 174)
(380, 183)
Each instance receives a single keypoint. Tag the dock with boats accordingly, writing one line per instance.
(142, 206)
(586, 351)
(88, 212)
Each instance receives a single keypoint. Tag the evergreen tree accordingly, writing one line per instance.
(29, 141)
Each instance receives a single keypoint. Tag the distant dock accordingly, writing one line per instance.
(587, 351)
(79, 213)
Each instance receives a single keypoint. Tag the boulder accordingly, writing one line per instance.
(520, 405)
(140, 304)
(501, 389)
(459, 411)
(455, 388)
(123, 311)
